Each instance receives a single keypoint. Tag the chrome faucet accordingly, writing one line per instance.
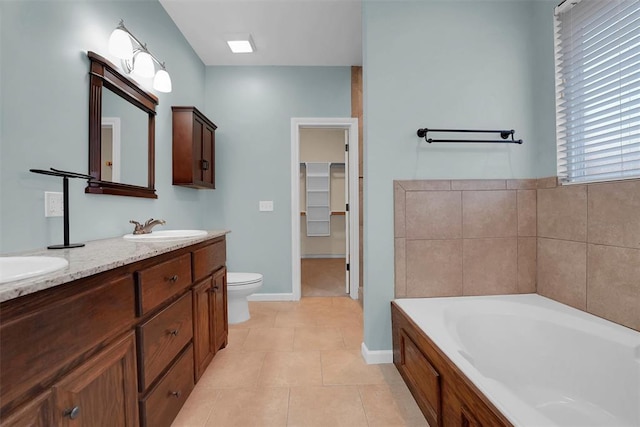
(146, 228)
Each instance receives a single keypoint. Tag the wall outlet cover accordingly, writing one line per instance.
(53, 204)
(266, 205)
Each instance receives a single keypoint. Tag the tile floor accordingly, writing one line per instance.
(323, 277)
(299, 364)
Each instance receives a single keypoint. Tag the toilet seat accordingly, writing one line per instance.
(240, 279)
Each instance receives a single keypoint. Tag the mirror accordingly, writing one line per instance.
(121, 133)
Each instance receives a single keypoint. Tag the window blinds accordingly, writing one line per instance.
(597, 45)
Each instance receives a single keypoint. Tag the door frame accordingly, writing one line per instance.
(351, 126)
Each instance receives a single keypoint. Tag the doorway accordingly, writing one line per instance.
(324, 215)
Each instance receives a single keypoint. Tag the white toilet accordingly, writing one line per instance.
(239, 287)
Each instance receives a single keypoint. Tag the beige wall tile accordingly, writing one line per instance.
(490, 266)
(527, 264)
(398, 210)
(434, 268)
(527, 213)
(434, 214)
(562, 213)
(614, 214)
(562, 271)
(613, 285)
(522, 184)
(426, 185)
(400, 268)
(489, 214)
(479, 184)
(549, 182)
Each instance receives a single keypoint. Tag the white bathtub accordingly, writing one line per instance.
(541, 363)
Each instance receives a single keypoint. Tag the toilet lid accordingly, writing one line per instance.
(234, 279)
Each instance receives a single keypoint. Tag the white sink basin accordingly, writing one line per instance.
(22, 267)
(165, 235)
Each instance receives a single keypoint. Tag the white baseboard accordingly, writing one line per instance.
(376, 357)
(271, 297)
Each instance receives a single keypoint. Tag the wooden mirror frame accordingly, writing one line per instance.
(103, 73)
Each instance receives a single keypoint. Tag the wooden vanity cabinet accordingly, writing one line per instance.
(194, 141)
(115, 348)
(444, 394)
(210, 326)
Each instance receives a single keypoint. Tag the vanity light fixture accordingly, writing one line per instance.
(240, 43)
(138, 59)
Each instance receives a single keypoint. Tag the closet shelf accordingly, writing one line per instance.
(332, 213)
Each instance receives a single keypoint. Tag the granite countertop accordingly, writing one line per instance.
(95, 257)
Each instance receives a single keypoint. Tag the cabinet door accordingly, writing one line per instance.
(198, 129)
(101, 392)
(208, 156)
(219, 316)
(37, 413)
(202, 324)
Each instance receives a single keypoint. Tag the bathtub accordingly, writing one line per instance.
(539, 362)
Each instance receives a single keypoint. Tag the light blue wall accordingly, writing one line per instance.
(475, 64)
(253, 107)
(45, 96)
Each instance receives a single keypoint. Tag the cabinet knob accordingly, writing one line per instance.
(72, 413)
(173, 332)
(174, 278)
(175, 394)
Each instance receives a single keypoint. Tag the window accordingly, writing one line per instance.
(597, 44)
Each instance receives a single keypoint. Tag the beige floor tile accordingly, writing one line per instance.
(390, 373)
(390, 405)
(259, 319)
(236, 339)
(341, 320)
(196, 409)
(292, 319)
(269, 339)
(347, 367)
(233, 369)
(238, 407)
(316, 302)
(317, 339)
(273, 306)
(348, 303)
(326, 406)
(291, 368)
(352, 337)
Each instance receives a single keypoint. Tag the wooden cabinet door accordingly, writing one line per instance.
(202, 326)
(102, 391)
(37, 413)
(219, 303)
(208, 156)
(198, 130)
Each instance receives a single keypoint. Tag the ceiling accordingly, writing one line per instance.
(285, 32)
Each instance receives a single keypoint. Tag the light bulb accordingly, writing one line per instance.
(143, 64)
(120, 44)
(162, 81)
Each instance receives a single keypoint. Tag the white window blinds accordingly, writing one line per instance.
(597, 45)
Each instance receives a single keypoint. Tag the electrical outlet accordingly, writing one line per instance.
(266, 205)
(53, 204)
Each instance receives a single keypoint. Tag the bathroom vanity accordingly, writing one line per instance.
(117, 338)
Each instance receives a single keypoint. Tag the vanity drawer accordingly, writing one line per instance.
(209, 259)
(163, 403)
(162, 337)
(160, 282)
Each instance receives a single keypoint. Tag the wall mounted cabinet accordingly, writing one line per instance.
(194, 141)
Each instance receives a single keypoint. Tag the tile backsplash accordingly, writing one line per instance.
(577, 244)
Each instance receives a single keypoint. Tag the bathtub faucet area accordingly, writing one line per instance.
(147, 227)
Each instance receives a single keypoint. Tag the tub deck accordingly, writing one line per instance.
(523, 359)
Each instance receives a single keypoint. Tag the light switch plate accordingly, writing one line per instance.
(53, 204)
(266, 205)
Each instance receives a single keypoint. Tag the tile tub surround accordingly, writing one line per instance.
(95, 257)
(577, 244)
(464, 237)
